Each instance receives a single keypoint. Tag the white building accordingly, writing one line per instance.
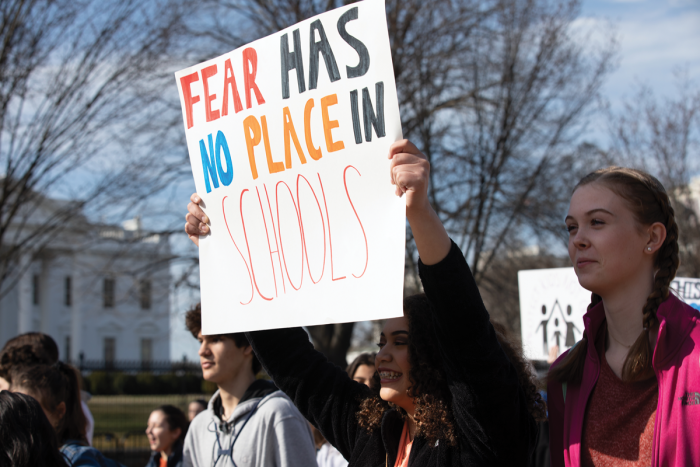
(99, 290)
(694, 194)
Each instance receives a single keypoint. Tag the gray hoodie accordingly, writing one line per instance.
(276, 435)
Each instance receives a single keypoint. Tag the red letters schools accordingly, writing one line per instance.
(269, 203)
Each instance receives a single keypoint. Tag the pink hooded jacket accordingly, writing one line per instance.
(676, 362)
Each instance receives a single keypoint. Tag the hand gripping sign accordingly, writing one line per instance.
(288, 139)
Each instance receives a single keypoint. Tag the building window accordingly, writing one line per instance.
(66, 357)
(110, 350)
(35, 289)
(146, 352)
(67, 297)
(145, 294)
(108, 292)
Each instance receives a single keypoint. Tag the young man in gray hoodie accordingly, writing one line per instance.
(248, 422)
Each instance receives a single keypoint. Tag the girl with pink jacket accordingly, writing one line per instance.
(627, 394)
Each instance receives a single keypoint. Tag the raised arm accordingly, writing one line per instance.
(410, 172)
(489, 406)
(321, 391)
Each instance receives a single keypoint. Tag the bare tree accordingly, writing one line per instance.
(506, 151)
(532, 82)
(662, 136)
(75, 78)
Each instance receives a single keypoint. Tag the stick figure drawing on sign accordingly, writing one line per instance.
(543, 324)
(569, 338)
(557, 333)
(570, 326)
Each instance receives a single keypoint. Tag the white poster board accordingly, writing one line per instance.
(288, 139)
(552, 305)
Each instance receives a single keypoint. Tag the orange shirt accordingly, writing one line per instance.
(163, 462)
(404, 447)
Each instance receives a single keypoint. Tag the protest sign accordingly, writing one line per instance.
(552, 305)
(688, 290)
(288, 139)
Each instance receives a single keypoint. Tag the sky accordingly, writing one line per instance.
(656, 37)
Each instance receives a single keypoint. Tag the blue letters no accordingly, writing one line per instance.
(225, 176)
(208, 164)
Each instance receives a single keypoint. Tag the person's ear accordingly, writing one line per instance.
(176, 433)
(657, 236)
(248, 350)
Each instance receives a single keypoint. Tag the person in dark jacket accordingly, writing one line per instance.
(454, 391)
(167, 427)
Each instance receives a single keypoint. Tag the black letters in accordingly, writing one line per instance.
(370, 118)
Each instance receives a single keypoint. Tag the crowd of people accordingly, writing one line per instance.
(447, 386)
(45, 422)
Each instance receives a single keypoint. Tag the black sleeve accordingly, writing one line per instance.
(489, 406)
(321, 391)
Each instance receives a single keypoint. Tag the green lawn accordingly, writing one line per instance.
(119, 415)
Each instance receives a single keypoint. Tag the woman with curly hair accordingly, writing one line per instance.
(451, 393)
(626, 394)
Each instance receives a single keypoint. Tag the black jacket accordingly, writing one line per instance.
(174, 459)
(493, 425)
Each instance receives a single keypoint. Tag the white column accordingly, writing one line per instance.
(24, 289)
(46, 323)
(78, 299)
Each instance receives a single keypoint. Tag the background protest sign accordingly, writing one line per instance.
(288, 139)
(688, 290)
(552, 305)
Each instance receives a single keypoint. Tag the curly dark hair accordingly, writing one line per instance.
(433, 400)
(526, 377)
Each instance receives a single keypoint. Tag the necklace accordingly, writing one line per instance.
(613, 337)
